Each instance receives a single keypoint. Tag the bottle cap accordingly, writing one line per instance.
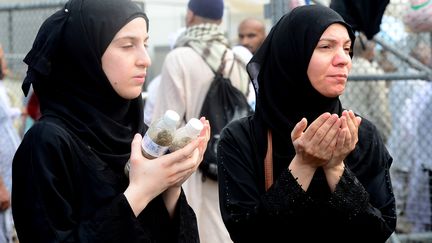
(194, 127)
(171, 118)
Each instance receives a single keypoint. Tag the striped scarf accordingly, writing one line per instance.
(207, 40)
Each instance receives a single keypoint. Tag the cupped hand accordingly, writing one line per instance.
(346, 140)
(314, 146)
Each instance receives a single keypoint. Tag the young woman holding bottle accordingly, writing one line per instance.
(87, 66)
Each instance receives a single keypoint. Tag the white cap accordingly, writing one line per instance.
(171, 118)
(194, 127)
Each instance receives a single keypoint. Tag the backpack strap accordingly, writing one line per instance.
(268, 162)
(222, 65)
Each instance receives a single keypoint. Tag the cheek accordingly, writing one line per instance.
(113, 68)
(349, 66)
(314, 72)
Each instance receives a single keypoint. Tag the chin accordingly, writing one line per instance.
(131, 96)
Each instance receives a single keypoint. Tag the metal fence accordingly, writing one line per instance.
(397, 98)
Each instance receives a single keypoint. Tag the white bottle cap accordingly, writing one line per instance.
(171, 118)
(194, 127)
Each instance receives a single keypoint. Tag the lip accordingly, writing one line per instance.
(339, 77)
(139, 78)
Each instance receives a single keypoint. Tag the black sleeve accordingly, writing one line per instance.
(362, 205)
(364, 195)
(249, 213)
(353, 204)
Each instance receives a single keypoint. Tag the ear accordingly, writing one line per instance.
(190, 18)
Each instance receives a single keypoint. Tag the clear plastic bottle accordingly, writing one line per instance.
(184, 135)
(159, 136)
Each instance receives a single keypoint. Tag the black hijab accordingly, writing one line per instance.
(284, 93)
(65, 69)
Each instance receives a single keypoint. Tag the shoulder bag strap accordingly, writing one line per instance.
(268, 162)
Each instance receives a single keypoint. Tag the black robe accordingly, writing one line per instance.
(362, 208)
(68, 174)
(64, 192)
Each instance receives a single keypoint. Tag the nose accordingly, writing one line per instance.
(341, 57)
(244, 41)
(143, 58)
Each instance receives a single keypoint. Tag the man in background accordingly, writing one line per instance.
(251, 33)
(186, 76)
(9, 142)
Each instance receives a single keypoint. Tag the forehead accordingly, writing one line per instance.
(336, 31)
(250, 25)
(137, 26)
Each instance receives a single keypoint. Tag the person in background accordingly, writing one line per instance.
(3, 64)
(87, 66)
(412, 167)
(9, 141)
(245, 56)
(302, 167)
(186, 76)
(154, 83)
(368, 98)
(251, 33)
(12, 112)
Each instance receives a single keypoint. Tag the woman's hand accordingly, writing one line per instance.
(345, 143)
(171, 195)
(203, 139)
(314, 147)
(346, 140)
(149, 178)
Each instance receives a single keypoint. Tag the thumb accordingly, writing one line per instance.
(136, 146)
(298, 129)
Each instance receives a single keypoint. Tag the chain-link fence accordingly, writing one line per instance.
(392, 90)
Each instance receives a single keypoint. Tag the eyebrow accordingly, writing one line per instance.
(130, 37)
(334, 40)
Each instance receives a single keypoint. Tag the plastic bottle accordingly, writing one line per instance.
(158, 137)
(184, 135)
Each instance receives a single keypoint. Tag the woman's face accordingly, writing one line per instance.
(330, 62)
(126, 59)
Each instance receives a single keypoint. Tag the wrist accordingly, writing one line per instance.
(137, 201)
(333, 175)
(335, 169)
(302, 172)
(170, 197)
(171, 194)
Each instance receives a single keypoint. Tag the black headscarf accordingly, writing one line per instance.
(284, 93)
(65, 69)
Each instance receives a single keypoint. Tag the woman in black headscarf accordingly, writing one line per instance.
(87, 66)
(324, 182)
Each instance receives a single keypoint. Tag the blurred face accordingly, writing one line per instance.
(126, 59)
(330, 62)
(251, 34)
